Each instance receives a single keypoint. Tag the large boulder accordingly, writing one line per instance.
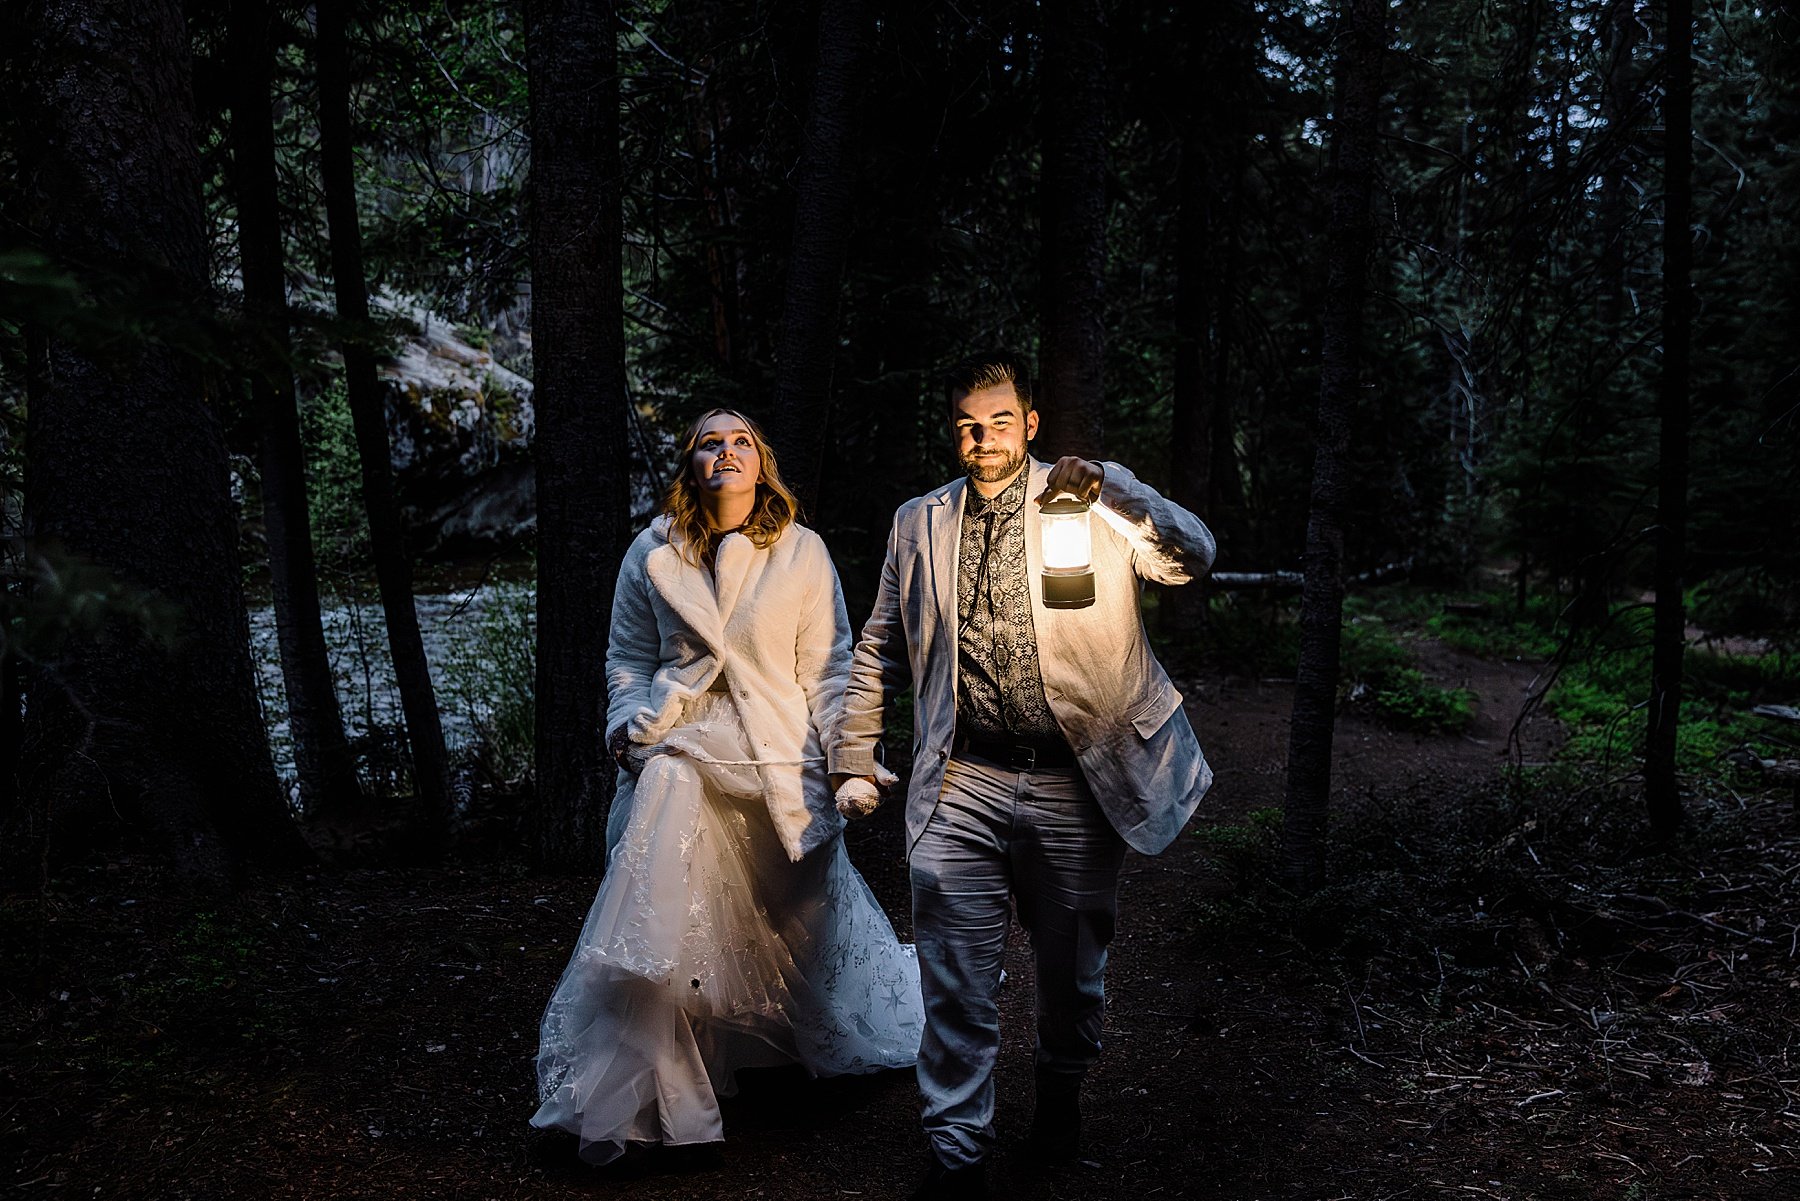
(461, 424)
(460, 427)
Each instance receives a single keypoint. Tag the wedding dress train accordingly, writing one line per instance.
(707, 950)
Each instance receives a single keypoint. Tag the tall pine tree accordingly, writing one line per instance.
(583, 482)
(1362, 44)
(153, 723)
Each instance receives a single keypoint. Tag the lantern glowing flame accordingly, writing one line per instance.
(1068, 554)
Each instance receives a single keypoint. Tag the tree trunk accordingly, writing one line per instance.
(724, 258)
(583, 494)
(12, 738)
(1225, 488)
(1669, 640)
(368, 415)
(1191, 432)
(154, 728)
(1202, 461)
(14, 822)
(1614, 388)
(1195, 401)
(1073, 198)
(1618, 33)
(824, 187)
(1361, 46)
(322, 758)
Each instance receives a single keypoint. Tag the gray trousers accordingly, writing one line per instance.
(997, 836)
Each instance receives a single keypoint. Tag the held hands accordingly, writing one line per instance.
(859, 796)
(1076, 476)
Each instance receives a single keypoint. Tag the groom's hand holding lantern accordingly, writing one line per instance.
(1067, 550)
(1076, 476)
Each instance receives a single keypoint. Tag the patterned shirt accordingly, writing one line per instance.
(1000, 692)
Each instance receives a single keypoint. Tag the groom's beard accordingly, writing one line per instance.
(988, 469)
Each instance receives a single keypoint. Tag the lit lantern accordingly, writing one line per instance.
(1068, 554)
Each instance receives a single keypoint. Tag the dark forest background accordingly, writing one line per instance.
(1403, 273)
(343, 347)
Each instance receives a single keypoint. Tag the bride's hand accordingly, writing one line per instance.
(857, 796)
(626, 753)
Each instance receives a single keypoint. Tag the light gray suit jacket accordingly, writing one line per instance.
(1111, 697)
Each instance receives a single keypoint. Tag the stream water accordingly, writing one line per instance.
(478, 643)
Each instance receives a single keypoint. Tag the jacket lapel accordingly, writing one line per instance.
(689, 591)
(1034, 541)
(943, 532)
(1043, 628)
(731, 571)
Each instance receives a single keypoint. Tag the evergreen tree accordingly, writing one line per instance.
(1363, 43)
(1669, 637)
(368, 410)
(1072, 194)
(824, 200)
(152, 721)
(582, 471)
(323, 764)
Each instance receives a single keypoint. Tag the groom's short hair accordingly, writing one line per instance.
(989, 369)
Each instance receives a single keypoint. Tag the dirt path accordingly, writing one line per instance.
(371, 1034)
(1244, 726)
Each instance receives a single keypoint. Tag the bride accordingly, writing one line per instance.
(730, 930)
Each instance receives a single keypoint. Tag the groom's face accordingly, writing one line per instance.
(992, 429)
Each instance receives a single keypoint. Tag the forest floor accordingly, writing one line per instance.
(1501, 998)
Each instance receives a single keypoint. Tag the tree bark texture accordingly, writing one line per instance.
(12, 737)
(577, 325)
(1203, 473)
(1194, 402)
(824, 195)
(368, 416)
(1362, 42)
(711, 128)
(323, 763)
(1073, 213)
(1662, 794)
(127, 468)
(1225, 486)
(1618, 104)
(12, 676)
(1196, 302)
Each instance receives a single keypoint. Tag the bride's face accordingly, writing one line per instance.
(725, 459)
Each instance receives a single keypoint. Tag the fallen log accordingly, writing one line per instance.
(1293, 581)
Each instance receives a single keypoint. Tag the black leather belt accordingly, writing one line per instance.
(1014, 753)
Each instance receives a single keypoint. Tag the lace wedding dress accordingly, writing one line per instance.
(707, 950)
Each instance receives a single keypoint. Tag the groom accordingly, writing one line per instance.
(1045, 741)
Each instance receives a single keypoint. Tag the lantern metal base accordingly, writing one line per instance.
(1074, 591)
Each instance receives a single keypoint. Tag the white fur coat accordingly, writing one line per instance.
(771, 621)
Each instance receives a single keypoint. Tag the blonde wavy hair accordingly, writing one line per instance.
(774, 510)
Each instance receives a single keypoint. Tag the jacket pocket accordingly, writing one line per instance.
(1149, 714)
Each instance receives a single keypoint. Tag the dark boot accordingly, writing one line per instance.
(1056, 1126)
(952, 1184)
